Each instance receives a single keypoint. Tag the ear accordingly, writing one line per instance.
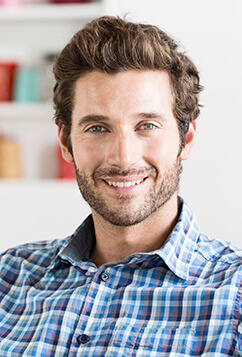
(190, 141)
(63, 145)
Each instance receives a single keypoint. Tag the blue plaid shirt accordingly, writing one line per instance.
(181, 300)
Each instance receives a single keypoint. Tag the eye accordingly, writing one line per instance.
(148, 126)
(97, 129)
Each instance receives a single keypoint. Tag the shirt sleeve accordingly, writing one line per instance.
(238, 346)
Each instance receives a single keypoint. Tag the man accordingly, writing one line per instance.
(137, 278)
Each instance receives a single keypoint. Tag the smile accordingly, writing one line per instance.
(124, 183)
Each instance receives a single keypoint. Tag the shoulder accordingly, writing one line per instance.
(222, 261)
(33, 252)
(219, 251)
(32, 257)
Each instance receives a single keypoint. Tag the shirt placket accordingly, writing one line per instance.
(87, 332)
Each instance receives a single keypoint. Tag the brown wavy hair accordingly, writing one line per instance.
(110, 45)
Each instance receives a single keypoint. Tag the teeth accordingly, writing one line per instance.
(124, 183)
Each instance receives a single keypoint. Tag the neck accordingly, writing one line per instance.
(114, 243)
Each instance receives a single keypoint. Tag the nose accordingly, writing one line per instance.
(124, 150)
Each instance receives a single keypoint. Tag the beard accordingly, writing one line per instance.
(126, 213)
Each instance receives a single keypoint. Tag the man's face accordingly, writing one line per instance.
(125, 144)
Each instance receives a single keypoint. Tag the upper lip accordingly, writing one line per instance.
(124, 179)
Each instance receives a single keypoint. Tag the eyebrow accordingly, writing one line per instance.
(93, 118)
(152, 115)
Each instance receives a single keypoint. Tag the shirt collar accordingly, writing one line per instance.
(76, 247)
(179, 247)
(80, 244)
(176, 252)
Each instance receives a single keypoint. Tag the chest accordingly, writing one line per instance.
(120, 315)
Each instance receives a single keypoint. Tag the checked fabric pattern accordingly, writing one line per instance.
(181, 300)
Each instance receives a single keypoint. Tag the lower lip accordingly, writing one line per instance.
(123, 190)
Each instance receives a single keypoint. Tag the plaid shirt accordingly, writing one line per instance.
(181, 300)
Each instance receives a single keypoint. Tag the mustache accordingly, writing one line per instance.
(113, 172)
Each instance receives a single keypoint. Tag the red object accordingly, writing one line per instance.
(69, 1)
(66, 170)
(7, 78)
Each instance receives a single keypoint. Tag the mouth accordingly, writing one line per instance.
(125, 183)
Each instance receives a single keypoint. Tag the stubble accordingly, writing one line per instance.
(123, 215)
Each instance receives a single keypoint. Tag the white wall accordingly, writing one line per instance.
(211, 182)
(39, 210)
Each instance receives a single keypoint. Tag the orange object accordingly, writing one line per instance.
(9, 158)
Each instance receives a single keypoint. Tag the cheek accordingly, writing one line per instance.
(162, 152)
(87, 154)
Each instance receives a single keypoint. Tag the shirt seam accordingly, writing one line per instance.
(236, 321)
(218, 259)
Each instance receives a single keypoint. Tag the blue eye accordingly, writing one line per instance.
(96, 129)
(148, 126)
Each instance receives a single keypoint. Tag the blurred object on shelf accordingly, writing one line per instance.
(47, 76)
(9, 157)
(35, 2)
(11, 2)
(65, 169)
(70, 1)
(27, 84)
(7, 80)
(22, 2)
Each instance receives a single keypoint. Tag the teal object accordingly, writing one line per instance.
(27, 86)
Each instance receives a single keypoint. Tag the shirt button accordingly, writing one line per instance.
(104, 276)
(82, 339)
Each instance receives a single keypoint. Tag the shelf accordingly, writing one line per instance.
(26, 110)
(47, 187)
(51, 12)
(36, 183)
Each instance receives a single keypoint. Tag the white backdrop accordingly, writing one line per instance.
(211, 32)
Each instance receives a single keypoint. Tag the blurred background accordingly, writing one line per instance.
(39, 199)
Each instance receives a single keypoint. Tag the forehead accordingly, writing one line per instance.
(129, 79)
(127, 91)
